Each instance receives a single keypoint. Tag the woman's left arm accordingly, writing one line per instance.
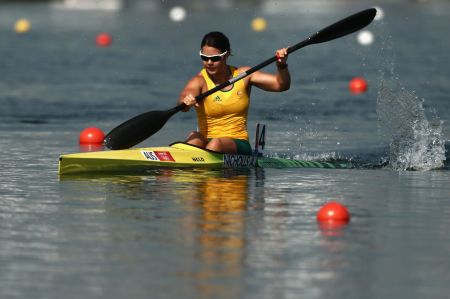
(280, 81)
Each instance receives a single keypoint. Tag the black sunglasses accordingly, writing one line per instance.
(213, 58)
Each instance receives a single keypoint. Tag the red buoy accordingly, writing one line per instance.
(92, 136)
(333, 212)
(103, 40)
(357, 85)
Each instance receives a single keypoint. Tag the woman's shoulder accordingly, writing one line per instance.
(198, 77)
(197, 81)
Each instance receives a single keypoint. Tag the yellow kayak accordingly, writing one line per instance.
(177, 155)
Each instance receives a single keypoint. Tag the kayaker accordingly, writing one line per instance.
(222, 116)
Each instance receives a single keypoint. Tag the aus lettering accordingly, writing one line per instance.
(150, 156)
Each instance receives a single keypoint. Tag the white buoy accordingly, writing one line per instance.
(365, 37)
(380, 13)
(177, 14)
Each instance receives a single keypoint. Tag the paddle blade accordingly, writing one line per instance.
(345, 26)
(137, 129)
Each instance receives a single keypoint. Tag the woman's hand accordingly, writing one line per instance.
(282, 56)
(190, 101)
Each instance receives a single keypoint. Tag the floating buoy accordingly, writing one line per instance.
(91, 135)
(103, 40)
(22, 26)
(259, 24)
(333, 213)
(357, 85)
(177, 14)
(365, 38)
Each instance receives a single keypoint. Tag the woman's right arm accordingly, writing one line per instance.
(192, 89)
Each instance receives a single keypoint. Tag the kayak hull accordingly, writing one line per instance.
(177, 155)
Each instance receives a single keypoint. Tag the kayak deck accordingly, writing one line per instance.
(177, 155)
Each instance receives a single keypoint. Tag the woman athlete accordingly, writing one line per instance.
(222, 116)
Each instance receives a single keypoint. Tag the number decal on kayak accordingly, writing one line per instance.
(158, 156)
(238, 161)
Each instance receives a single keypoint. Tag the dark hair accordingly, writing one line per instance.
(217, 40)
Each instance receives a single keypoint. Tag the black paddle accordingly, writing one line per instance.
(145, 125)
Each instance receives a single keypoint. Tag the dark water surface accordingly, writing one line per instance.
(227, 234)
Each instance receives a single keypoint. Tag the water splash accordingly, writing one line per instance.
(371, 160)
(415, 133)
(307, 156)
(415, 142)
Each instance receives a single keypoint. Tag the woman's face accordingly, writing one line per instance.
(213, 59)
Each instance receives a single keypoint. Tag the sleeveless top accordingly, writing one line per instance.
(224, 113)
